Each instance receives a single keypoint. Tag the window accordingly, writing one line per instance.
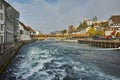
(21, 32)
(2, 39)
(1, 7)
(1, 16)
(2, 28)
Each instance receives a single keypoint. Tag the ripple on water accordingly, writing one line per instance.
(52, 61)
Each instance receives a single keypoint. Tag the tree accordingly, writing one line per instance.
(78, 29)
(118, 34)
(82, 25)
(96, 24)
(64, 31)
(91, 31)
(100, 33)
(104, 24)
(71, 29)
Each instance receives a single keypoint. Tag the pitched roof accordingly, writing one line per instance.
(23, 25)
(30, 29)
(115, 19)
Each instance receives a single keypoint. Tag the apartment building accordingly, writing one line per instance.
(11, 22)
(9, 19)
(2, 22)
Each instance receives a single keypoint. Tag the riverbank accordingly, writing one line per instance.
(74, 41)
(101, 43)
(46, 60)
(9, 52)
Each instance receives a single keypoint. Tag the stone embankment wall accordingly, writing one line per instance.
(102, 43)
(8, 51)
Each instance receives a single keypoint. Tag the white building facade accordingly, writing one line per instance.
(114, 25)
(24, 32)
(2, 22)
(9, 18)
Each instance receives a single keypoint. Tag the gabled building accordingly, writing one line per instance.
(8, 23)
(32, 31)
(114, 25)
(24, 32)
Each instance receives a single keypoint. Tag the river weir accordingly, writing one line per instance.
(51, 60)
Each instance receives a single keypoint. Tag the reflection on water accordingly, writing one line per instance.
(62, 61)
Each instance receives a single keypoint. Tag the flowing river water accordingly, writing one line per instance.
(51, 60)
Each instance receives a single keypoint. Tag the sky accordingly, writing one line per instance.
(55, 15)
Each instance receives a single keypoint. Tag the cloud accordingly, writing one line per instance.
(49, 16)
(103, 8)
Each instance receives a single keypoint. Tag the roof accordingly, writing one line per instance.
(23, 25)
(115, 19)
(9, 5)
(30, 29)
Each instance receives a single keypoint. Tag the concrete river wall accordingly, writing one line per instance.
(8, 52)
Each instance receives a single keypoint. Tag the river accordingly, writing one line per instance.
(51, 60)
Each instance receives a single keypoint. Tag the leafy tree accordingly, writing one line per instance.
(100, 33)
(71, 29)
(64, 31)
(91, 31)
(96, 24)
(118, 34)
(82, 25)
(104, 24)
(78, 29)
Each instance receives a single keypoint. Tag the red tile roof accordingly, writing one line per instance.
(23, 25)
(115, 19)
(30, 29)
(26, 27)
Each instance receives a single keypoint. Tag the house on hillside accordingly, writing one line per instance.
(95, 25)
(114, 26)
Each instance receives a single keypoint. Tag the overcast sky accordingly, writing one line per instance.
(54, 15)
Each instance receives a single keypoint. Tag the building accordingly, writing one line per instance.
(11, 23)
(90, 21)
(2, 22)
(114, 25)
(32, 31)
(56, 33)
(8, 22)
(37, 32)
(24, 32)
